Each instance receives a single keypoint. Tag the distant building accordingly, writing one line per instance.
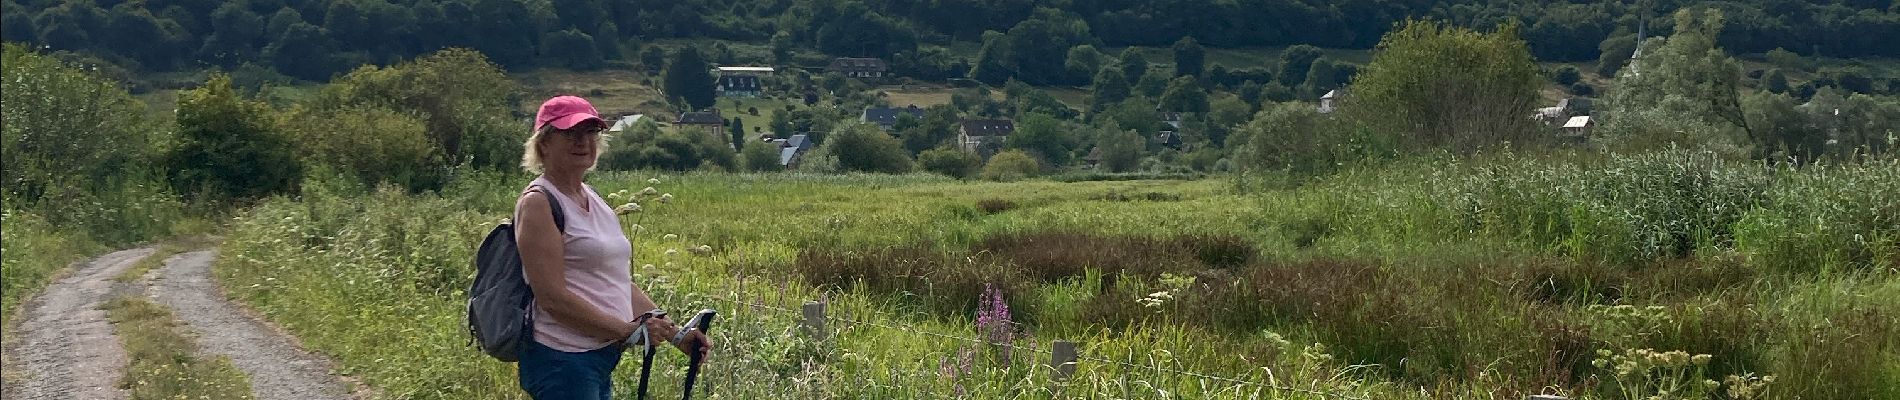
(752, 71)
(737, 86)
(625, 122)
(1562, 112)
(1330, 101)
(1579, 126)
(984, 136)
(791, 150)
(708, 120)
(886, 117)
(864, 68)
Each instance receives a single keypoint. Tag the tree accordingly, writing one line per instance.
(1152, 85)
(237, 35)
(1184, 95)
(1442, 85)
(228, 148)
(1783, 132)
(1613, 53)
(759, 156)
(1252, 93)
(1012, 165)
(1121, 150)
(991, 65)
(1035, 52)
(1566, 75)
(464, 101)
(44, 104)
(950, 161)
(1190, 59)
(653, 58)
(575, 50)
(1109, 89)
(1787, 59)
(1321, 77)
(1133, 66)
(688, 78)
(782, 47)
(1295, 61)
(737, 131)
(1682, 83)
(1774, 81)
(1043, 136)
(1084, 60)
(863, 147)
(400, 152)
(937, 127)
(302, 52)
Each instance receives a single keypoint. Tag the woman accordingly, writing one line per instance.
(586, 305)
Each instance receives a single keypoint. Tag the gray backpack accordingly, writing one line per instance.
(498, 316)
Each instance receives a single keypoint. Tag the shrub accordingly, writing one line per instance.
(1566, 75)
(863, 147)
(1012, 165)
(950, 161)
(228, 148)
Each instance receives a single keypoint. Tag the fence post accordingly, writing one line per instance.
(815, 319)
(1063, 359)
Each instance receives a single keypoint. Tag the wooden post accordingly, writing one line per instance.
(1062, 359)
(815, 319)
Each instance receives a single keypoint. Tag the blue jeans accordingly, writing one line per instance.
(549, 374)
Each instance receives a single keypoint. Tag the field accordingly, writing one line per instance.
(1667, 274)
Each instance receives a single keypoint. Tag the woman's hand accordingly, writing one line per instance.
(663, 329)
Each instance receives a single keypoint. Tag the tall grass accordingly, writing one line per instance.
(1488, 278)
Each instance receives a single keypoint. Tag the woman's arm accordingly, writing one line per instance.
(542, 253)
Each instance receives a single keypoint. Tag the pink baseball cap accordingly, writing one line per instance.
(565, 112)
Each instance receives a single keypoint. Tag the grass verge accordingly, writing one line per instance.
(164, 363)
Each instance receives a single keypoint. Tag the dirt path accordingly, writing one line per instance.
(277, 367)
(66, 347)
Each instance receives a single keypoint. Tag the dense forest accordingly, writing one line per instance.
(314, 40)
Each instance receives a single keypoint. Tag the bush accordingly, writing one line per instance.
(760, 156)
(1566, 75)
(863, 147)
(950, 161)
(1012, 165)
(372, 144)
(228, 148)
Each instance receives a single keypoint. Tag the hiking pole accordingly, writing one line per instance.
(702, 322)
(646, 344)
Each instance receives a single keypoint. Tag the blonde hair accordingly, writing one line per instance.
(531, 150)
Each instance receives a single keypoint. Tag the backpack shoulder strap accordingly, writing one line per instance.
(560, 219)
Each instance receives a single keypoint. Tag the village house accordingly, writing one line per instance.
(1330, 101)
(745, 86)
(984, 136)
(862, 68)
(791, 150)
(1579, 127)
(708, 120)
(625, 122)
(1563, 111)
(886, 117)
(748, 71)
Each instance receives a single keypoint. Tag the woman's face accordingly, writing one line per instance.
(574, 149)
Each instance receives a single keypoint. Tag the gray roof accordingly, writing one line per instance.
(702, 118)
(858, 64)
(989, 127)
(887, 117)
